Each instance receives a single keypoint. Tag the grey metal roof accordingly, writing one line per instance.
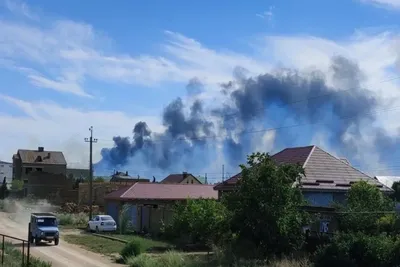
(4, 162)
(42, 157)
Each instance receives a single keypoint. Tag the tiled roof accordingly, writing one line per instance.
(323, 170)
(177, 178)
(157, 191)
(41, 157)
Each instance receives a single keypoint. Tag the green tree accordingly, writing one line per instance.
(396, 194)
(264, 209)
(200, 221)
(17, 185)
(4, 189)
(367, 209)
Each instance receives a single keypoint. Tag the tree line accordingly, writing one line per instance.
(263, 219)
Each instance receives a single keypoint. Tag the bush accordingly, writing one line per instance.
(79, 219)
(201, 221)
(359, 250)
(131, 249)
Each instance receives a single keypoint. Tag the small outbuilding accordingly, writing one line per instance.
(150, 204)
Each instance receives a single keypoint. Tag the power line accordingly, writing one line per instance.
(214, 137)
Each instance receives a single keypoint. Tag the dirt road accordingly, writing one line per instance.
(63, 255)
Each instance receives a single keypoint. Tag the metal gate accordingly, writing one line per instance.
(13, 248)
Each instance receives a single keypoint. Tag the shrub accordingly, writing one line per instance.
(131, 249)
(124, 219)
(354, 250)
(79, 219)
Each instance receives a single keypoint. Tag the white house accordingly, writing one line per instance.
(6, 170)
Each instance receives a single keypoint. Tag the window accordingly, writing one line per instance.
(39, 169)
(28, 170)
(106, 218)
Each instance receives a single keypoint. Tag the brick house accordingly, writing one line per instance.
(26, 162)
(181, 178)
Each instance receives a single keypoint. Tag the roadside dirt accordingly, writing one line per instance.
(63, 255)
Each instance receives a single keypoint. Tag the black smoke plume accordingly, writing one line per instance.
(283, 97)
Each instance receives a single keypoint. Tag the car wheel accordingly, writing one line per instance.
(88, 228)
(56, 241)
(37, 241)
(97, 229)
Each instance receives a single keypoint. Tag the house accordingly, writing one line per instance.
(6, 172)
(28, 161)
(151, 203)
(181, 178)
(121, 177)
(327, 178)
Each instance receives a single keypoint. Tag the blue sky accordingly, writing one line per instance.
(67, 65)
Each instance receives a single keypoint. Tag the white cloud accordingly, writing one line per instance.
(20, 8)
(267, 15)
(74, 52)
(62, 55)
(63, 128)
(384, 3)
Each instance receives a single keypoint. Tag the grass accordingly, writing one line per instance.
(175, 259)
(68, 220)
(106, 246)
(13, 258)
(145, 242)
(95, 243)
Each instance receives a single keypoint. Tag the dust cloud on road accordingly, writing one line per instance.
(15, 223)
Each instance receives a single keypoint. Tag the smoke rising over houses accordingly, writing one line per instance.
(339, 108)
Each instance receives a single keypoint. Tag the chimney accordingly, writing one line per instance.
(126, 173)
(344, 160)
(40, 149)
(184, 175)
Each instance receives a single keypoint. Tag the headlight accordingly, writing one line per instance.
(56, 233)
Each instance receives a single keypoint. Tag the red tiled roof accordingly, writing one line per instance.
(291, 155)
(323, 171)
(163, 192)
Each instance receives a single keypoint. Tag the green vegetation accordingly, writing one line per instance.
(13, 258)
(260, 224)
(124, 219)
(107, 246)
(176, 259)
(131, 249)
(95, 243)
(78, 220)
(17, 185)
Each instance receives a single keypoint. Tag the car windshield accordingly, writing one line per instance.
(46, 222)
(107, 218)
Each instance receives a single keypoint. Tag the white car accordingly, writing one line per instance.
(102, 223)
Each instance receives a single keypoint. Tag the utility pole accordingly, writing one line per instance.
(91, 140)
(223, 172)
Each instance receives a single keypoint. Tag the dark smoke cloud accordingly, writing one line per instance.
(251, 102)
(162, 150)
(306, 99)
